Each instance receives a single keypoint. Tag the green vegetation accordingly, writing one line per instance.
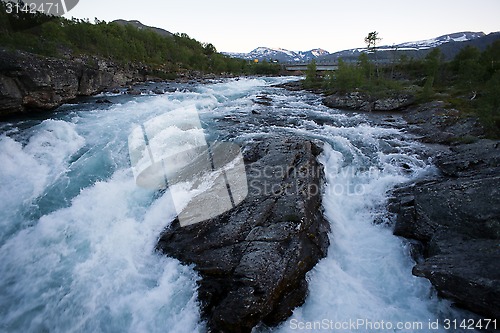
(312, 81)
(124, 44)
(469, 83)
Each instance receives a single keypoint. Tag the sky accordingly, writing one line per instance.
(333, 25)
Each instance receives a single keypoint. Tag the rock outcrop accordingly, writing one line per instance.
(30, 82)
(253, 259)
(457, 219)
(364, 102)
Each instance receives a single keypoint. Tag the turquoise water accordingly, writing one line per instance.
(77, 235)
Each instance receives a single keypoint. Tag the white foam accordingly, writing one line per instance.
(367, 274)
(26, 171)
(90, 267)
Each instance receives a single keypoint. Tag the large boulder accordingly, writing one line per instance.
(364, 102)
(253, 259)
(457, 218)
(351, 101)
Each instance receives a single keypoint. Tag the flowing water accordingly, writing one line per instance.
(77, 235)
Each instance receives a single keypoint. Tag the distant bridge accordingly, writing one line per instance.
(319, 67)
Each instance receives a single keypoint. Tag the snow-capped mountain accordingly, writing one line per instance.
(412, 48)
(430, 43)
(280, 55)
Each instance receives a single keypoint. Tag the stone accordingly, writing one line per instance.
(103, 101)
(467, 271)
(393, 103)
(363, 102)
(253, 259)
(351, 101)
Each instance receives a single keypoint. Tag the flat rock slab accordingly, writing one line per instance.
(363, 102)
(253, 259)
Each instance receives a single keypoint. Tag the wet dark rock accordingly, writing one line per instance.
(103, 101)
(480, 158)
(133, 91)
(158, 91)
(456, 216)
(253, 259)
(466, 271)
(292, 86)
(263, 100)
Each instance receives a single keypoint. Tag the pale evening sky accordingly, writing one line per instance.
(241, 26)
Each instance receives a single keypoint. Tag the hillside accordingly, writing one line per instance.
(123, 42)
(140, 26)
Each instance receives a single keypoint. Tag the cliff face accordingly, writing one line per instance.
(29, 82)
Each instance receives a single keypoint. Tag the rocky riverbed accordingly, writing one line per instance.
(454, 216)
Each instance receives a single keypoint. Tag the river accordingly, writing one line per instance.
(77, 235)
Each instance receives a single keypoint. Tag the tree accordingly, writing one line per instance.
(347, 77)
(371, 42)
(432, 63)
(311, 74)
(372, 39)
(471, 72)
(394, 52)
(365, 65)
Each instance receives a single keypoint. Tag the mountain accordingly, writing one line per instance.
(280, 55)
(141, 26)
(435, 42)
(451, 43)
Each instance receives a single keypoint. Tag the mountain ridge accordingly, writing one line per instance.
(279, 54)
(448, 43)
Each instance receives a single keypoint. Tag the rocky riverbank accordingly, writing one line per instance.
(30, 83)
(253, 259)
(456, 217)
